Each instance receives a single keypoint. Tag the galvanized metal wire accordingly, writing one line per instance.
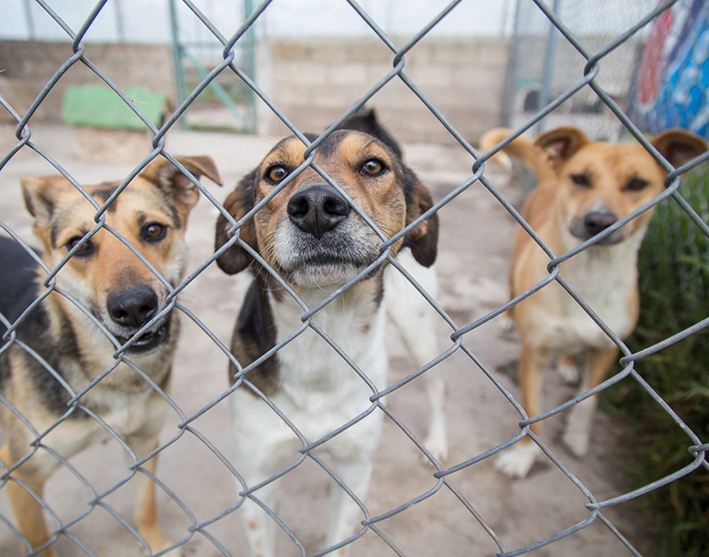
(443, 477)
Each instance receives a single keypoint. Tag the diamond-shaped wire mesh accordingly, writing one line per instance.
(187, 418)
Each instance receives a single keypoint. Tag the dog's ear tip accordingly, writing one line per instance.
(680, 146)
(208, 167)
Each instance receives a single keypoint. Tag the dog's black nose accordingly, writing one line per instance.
(317, 209)
(134, 307)
(597, 221)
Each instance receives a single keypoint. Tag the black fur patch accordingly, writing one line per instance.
(254, 335)
(18, 289)
(365, 120)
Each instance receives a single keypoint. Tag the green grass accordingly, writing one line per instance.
(674, 289)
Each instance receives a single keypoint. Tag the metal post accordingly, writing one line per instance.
(250, 66)
(508, 95)
(30, 20)
(120, 23)
(548, 69)
(177, 54)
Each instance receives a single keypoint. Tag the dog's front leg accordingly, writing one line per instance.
(29, 515)
(146, 511)
(345, 516)
(578, 426)
(517, 461)
(259, 526)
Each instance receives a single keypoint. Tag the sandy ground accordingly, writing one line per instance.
(474, 253)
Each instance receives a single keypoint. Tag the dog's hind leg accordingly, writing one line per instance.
(578, 427)
(29, 514)
(567, 367)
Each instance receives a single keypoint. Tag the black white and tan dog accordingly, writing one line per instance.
(584, 188)
(105, 283)
(316, 241)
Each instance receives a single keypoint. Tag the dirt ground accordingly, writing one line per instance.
(474, 252)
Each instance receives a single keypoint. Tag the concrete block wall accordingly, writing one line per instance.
(314, 81)
(28, 65)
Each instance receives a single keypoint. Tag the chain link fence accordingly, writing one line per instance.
(586, 83)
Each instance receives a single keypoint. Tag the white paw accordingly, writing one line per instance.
(577, 444)
(437, 445)
(517, 461)
(570, 374)
(505, 324)
(177, 552)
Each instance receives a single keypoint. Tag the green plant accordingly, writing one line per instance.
(674, 290)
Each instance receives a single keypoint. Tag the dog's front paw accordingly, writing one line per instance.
(576, 443)
(157, 547)
(517, 461)
(505, 324)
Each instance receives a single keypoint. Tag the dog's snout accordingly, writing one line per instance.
(133, 307)
(317, 209)
(597, 221)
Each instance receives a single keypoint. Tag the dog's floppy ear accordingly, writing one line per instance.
(423, 240)
(168, 177)
(560, 144)
(41, 194)
(238, 203)
(679, 146)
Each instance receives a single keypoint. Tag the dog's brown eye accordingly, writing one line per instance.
(581, 180)
(85, 250)
(153, 232)
(276, 173)
(373, 167)
(636, 184)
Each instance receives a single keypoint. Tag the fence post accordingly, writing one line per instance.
(177, 57)
(548, 69)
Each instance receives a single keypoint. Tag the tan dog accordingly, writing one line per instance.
(584, 188)
(117, 290)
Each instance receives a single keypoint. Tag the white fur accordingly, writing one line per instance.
(319, 393)
(517, 461)
(416, 322)
(578, 427)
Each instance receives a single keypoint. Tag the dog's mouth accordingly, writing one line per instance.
(335, 258)
(148, 342)
(323, 269)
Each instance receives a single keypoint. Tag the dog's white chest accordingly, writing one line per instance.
(607, 287)
(314, 375)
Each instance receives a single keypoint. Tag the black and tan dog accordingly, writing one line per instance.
(316, 241)
(105, 283)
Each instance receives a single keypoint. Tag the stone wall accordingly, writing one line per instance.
(315, 81)
(28, 65)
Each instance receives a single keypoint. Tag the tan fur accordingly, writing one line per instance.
(380, 203)
(123, 400)
(550, 322)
